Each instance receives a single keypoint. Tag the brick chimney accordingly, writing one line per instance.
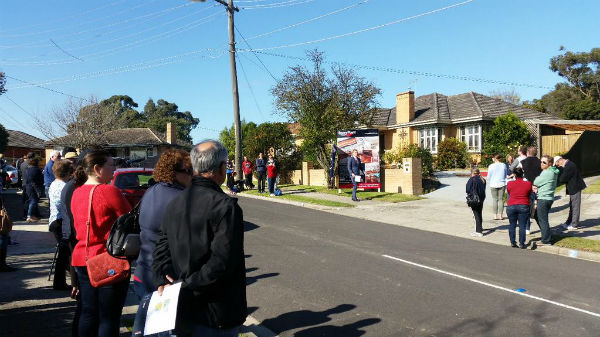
(171, 133)
(405, 107)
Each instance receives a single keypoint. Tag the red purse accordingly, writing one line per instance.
(103, 269)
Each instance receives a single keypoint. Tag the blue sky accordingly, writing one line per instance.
(177, 50)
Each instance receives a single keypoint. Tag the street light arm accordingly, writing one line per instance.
(227, 5)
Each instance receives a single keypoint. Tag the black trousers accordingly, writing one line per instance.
(478, 217)
(262, 177)
(62, 259)
(248, 181)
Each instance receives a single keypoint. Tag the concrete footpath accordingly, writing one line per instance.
(28, 304)
(445, 211)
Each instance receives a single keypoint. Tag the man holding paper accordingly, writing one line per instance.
(202, 245)
(354, 170)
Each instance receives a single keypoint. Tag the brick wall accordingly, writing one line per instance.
(406, 180)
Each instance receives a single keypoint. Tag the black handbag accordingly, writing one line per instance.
(473, 199)
(124, 238)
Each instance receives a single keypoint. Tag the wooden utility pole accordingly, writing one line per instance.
(234, 87)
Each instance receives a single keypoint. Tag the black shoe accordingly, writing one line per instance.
(522, 246)
(61, 287)
(514, 245)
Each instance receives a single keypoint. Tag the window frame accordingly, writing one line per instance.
(467, 134)
(429, 138)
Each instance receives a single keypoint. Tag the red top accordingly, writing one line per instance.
(247, 167)
(518, 191)
(107, 205)
(271, 171)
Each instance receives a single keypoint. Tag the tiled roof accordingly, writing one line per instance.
(22, 139)
(441, 109)
(130, 136)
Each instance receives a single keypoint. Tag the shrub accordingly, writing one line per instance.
(411, 151)
(508, 133)
(452, 153)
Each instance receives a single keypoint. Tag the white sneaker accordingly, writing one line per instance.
(272, 195)
(571, 228)
(527, 232)
(476, 234)
(567, 226)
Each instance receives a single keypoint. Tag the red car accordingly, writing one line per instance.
(133, 182)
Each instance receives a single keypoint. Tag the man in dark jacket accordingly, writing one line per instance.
(202, 245)
(570, 175)
(354, 171)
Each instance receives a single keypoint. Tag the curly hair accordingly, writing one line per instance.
(62, 169)
(170, 162)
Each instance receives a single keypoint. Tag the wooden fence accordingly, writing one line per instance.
(558, 144)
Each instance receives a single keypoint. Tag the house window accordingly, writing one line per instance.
(151, 152)
(428, 139)
(471, 135)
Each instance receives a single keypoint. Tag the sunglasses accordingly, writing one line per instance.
(545, 162)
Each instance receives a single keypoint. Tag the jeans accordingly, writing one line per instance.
(261, 180)
(543, 208)
(100, 307)
(478, 217)
(62, 259)
(498, 199)
(248, 181)
(354, 187)
(574, 209)
(271, 182)
(532, 197)
(33, 209)
(518, 213)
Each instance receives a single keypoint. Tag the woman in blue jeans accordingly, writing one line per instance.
(545, 185)
(518, 207)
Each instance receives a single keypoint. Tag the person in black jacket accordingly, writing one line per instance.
(34, 188)
(202, 245)
(570, 175)
(476, 185)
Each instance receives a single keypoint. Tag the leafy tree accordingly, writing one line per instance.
(452, 153)
(3, 138)
(2, 83)
(123, 107)
(323, 103)
(508, 96)
(156, 116)
(583, 109)
(508, 132)
(259, 138)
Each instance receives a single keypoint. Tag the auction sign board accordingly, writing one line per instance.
(367, 143)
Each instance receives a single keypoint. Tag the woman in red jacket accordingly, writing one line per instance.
(518, 207)
(100, 307)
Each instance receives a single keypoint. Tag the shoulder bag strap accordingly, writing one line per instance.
(88, 223)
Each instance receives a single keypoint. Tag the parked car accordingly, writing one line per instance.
(11, 177)
(133, 182)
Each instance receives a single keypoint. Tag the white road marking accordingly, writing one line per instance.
(591, 313)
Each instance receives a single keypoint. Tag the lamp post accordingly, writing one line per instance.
(231, 9)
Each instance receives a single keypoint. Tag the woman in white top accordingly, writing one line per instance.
(62, 169)
(496, 178)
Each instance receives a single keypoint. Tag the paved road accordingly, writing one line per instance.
(313, 273)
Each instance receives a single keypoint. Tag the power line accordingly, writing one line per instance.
(309, 20)
(417, 73)
(13, 119)
(42, 87)
(64, 51)
(279, 4)
(259, 60)
(20, 107)
(366, 29)
(250, 88)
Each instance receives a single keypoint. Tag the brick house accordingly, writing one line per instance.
(21, 143)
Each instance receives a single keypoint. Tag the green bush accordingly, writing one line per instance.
(507, 134)
(452, 153)
(411, 151)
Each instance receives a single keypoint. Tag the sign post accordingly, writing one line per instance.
(366, 142)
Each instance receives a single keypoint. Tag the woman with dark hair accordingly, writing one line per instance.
(476, 185)
(518, 207)
(62, 169)
(100, 307)
(173, 173)
(34, 188)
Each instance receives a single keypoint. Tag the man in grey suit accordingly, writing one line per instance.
(354, 171)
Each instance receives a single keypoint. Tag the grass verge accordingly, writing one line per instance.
(574, 242)
(300, 198)
(593, 188)
(365, 195)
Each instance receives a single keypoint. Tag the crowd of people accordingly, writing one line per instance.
(527, 185)
(267, 171)
(198, 245)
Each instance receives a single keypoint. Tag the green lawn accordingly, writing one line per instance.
(366, 195)
(593, 188)
(304, 199)
(573, 242)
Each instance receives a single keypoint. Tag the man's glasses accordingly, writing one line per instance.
(545, 162)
